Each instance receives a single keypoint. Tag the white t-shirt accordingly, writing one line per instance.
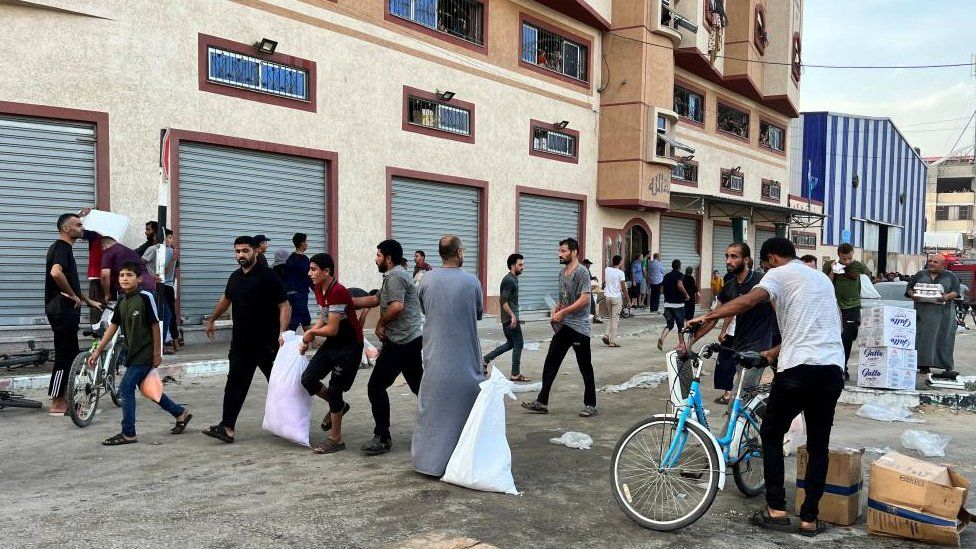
(807, 314)
(612, 277)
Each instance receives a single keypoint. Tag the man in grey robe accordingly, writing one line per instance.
(452, 301)
(935, 338)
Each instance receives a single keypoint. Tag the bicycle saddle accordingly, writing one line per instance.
(750, 359)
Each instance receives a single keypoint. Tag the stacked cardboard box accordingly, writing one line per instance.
(913, 499)
(887, 357)
(841, 501)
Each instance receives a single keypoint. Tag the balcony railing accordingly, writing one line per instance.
(464, 19)
(553, 52)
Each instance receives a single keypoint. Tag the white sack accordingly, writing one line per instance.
(867, 288)
(108, 224)
(796, 436)
(288, 408)
(482, 459)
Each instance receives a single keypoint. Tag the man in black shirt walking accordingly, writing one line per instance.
(62, 303)
(261, 314)
(509, 312)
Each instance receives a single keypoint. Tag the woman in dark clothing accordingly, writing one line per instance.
(691, 286)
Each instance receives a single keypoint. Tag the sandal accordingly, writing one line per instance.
(820, 528)
(118, 440)
(329, 447)
(606, 340)
(660, 344)
(181, 425)
(327, 421)
(613, 344)
(588, 411)
(762, 519)
(519, 377)
(536, 407)
(218, 432)
(722, 400)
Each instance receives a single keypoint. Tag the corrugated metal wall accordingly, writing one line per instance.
(227, 192)
(543, 222)
(721, 238)
(679, 240)
(46, 168)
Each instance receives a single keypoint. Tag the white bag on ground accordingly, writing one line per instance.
(928, 444)
(482, 459)
(796, 436)
(288, 408)
(573, 439)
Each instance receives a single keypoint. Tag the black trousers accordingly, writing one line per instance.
(64, 323)
(169, 294)
(655, 297)
(95, 293)
(725, 367)
(562, 341)
(244, 359)
(851, 319)
(394, 359)
(813, 390)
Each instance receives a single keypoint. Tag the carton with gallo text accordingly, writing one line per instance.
(890, 317)
(887, 368)
(886, 336)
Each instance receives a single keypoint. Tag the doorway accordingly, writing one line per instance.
(636, 241)
(882, 259)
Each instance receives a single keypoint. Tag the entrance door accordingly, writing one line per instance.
(883, 249)
(636, 241)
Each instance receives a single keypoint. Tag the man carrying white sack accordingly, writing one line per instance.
(452, 301)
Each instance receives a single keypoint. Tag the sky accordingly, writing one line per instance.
(929, 106)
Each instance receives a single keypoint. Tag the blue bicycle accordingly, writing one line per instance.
(667, 469)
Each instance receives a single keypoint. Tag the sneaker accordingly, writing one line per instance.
(377, 446)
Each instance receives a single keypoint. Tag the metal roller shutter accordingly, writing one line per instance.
(47, 168)
(543, 222)
(679, 240)
(423, 211)
(721, 238)
(761, 236)
(227, 192)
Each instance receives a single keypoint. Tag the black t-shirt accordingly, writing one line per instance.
(691, 285)
(755, 329)
(60, 253)
(255, 297)
(671, 292)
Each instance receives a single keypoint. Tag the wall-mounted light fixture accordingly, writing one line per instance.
(562, 125)
(266, 46)
(855, 181)
(901, 198)
(445, 95)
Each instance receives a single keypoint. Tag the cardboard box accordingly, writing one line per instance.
(886, 336)
(895, 317)
(887, 368)
(841, 502)
(914, 499)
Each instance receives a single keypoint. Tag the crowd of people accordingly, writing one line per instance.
(800, 317)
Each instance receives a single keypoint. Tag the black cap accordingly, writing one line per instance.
(259, 238)
(587, 262)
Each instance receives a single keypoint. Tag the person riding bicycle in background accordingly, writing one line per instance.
(755, 329)
(809, 379)
(136, 314)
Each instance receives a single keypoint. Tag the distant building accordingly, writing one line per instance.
(950, 198)
(868, 183)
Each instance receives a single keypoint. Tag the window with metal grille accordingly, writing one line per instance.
(761, 38)
(439, 116)
(685, 171)
(942, 213)
(251, 73)
(732, 181)
(804, 240)
(965, 212)
(772, 137)
(464, 19)
(662, 145)
(550, 51)
(771, 189)
(733, 121)
(689, 104)
(553, 142)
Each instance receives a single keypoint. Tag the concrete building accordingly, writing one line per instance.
(950, 199)
(867, 181)
(512, 123)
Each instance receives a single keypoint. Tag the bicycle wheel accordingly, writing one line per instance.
(82, 391)
(748, 470)
(112, 375)
(665, 498)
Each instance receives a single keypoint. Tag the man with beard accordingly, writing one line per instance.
(261, 314)
(452, 301)
(399, 330)
(571, 320)
(936, 335)
(755, 329)
(509, 311)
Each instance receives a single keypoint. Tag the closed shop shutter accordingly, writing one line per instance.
(679, 240)
(761, 236)
(543, 222)
(721, 238)
(894, 240)
(423, 211)
(47, 168)
(872, 237)
(228, 192)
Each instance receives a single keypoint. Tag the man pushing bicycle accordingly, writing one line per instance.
(809, 378)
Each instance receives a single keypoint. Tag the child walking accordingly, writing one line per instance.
(136, 314)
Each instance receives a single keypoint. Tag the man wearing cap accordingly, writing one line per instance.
(261, 242)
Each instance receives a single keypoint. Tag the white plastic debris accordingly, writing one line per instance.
(646, 380)
(881, 451)
(572, 439)
(531, 346)
(887, 412)
(928, 444)
(796, 436)
(527, 387)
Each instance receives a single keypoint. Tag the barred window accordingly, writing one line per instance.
(553, 142)
(733, 121)
(772, 137)
(251, 73)
(804, 240)
(463, 19)
(689, 104)
(685, 171)
(550, 51)
(439, 116)
(771, 189)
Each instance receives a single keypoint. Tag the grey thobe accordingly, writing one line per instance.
(935, 338)
(452, 302)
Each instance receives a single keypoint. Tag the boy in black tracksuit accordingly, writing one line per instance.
(136, 314)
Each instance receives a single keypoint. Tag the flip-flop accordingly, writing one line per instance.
(218, 432)
(327, 421)
(762, 519)
(519, 377)
(606, 340)
(820, 528)
(660, 344)
(118, 440)
(329, 447)
(535, 407)
(181, 425)
(613, 345)
(722, 400)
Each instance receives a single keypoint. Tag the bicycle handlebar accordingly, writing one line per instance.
(746, 359)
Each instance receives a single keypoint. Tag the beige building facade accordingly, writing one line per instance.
(950, 200)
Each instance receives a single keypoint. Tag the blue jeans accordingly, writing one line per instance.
(514, 343)
(299, 310)
(134, 374)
